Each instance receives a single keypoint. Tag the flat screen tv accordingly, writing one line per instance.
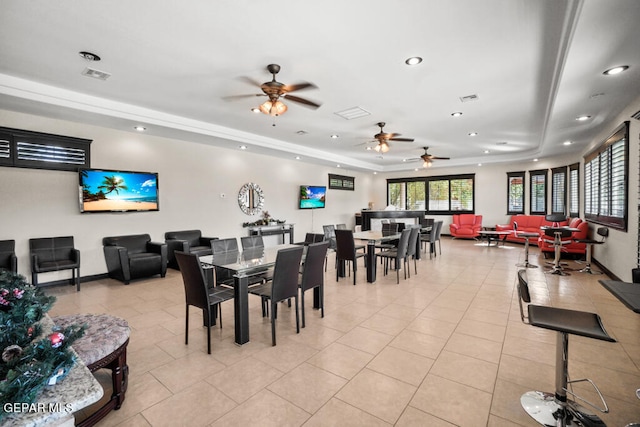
(104, 190)
(312, 196)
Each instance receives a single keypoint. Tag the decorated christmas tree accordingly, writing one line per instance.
(29, 361)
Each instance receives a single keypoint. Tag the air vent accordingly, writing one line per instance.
(5, 149)
(302, 132)
(636, 115)
(50, 153)
(353, 113)
(469, 98)
(96, 74)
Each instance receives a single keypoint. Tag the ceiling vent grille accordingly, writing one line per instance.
(353, 113)
(5, 149)
(96, 74)
(636, 115)
(469, 98)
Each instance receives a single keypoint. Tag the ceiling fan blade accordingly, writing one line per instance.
(301, 101)
(401, 139)
(250, 81)
(440, 158)
(415, 159)
(298, 86)
(234, 97)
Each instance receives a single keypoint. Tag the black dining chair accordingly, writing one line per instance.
(346, 252)
(224, 246)
(388, 229)
(8, 259)
(313, 274)
(283, 286)
(198, 294)
(251, 242)
(398, 255)
(412, 250)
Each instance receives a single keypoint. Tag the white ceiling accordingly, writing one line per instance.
(535, 66)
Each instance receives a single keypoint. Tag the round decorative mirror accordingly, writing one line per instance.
(250, 198)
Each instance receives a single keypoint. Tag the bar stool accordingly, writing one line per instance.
(558, 235)
(555, 409)
(526, 236)
(601, 231)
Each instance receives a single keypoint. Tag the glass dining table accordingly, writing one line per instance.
(242, 265)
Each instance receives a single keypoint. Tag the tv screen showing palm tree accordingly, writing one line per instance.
(103, 190)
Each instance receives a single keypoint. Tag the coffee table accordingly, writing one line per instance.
(493, 235)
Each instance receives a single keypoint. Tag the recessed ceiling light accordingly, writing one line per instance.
(140, 128)
(457, 114)
(479, 164)
(297, 157)
(486, 151)
(567, 143)
(404, 160)
(415, 170)
(473, 133)
(616, 70)
(335, 136)
(535, 160)
(375, 173)
(89, 56)
(582, 118)
(368, 148)
(414, 60)
(255, 110)
(337, 166)
(243, 147)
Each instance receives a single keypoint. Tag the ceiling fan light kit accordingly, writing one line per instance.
(271, 108)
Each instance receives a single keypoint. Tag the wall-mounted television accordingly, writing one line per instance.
(312, 196)
(105, 190)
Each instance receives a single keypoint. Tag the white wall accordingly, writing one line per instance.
(192, 177)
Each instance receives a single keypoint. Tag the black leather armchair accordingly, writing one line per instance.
(8, 259)
(134, 256)
(54, 254)
(188, 241)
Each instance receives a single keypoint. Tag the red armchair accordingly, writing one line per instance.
(573, 247)
(466, 226)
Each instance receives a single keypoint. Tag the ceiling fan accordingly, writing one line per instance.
(427, 158)
(384, 138)
(277, 91)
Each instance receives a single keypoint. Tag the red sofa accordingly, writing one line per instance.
(573, 247)
(466, 226)
(528, 223)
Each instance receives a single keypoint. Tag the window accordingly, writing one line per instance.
(559, 190)
(396, 192)
(26, 149)
(574, 193)
(538, 192)
(606, 173)
(515, 193)
(438, 195)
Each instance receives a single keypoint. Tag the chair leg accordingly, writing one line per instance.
(302, 303)
(186, 327)
(297, 315)
(274, 307)
(34, 279)
(322, 300)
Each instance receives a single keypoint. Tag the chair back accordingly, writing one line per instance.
(220, 246)
(135, 243)
(413, 240)
(603, 232)
(285, 273)
(389, 228)
(427, 222)
(345, 246)
(8, 258)
(556, 218)
(313, 272)
(403, 244)
(191, 236)
(251, 242)
(435, 231)
(523, 293)
(49, 249)
(195, 286)
(330, 235)
(564, 232)
(341, 226)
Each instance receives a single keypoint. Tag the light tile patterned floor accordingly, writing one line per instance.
(443, 348)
